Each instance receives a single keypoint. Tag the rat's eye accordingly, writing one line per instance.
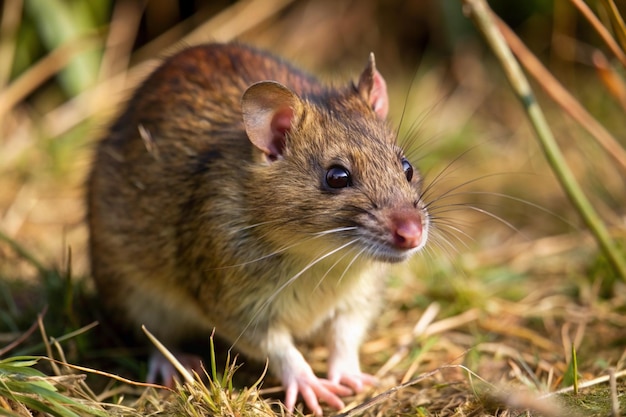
(407, 168)
(338, 177)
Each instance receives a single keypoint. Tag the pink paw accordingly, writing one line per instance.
(162, 370)
(355, 380)
(314, 390)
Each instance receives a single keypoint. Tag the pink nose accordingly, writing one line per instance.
(407, 232)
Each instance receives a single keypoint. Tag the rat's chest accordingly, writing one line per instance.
(318, 294)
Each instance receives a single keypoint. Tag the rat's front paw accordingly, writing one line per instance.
(345, 370)
(313, 390)
(356, 380)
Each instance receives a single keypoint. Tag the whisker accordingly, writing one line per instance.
(282, 220)
(287, 247)
(436, 210)
(451, 192)
(526, 202)
(449, 249)
(306, 268)
(499, 219)
(440, 216)
(453, 240)
(415, 130)
(406, 101)
(328, 271)
(446, 171)
(460, 206)
(345, 271)
(252, 226)
(447, 227)
(269, 255)
(336, 230)
(290, 281)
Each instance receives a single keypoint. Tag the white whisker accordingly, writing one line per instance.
(252, 226)
(328, 271)
(526, 202)
(291, 280)
(336, 230)
(287, 247)
(447, 229)
(350, 264)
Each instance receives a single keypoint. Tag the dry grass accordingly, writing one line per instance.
(484, 323)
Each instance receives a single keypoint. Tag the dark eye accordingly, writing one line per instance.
(338, 177)
(407, 168)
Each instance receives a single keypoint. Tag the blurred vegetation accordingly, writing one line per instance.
(515, 279)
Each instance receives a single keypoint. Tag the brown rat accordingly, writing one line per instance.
(236, 192)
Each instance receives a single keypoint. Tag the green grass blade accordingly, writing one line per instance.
(21, 251)
(57, 23)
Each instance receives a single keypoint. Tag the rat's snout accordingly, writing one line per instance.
(407, 229)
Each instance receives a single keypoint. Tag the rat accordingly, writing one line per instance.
(238, 193)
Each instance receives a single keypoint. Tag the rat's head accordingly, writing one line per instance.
(330, 175)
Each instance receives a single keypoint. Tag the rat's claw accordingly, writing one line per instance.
(314, 390)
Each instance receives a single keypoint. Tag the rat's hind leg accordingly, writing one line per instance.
(161, 370)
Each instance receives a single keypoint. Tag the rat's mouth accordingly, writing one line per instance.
(386, 252)
(390, 255)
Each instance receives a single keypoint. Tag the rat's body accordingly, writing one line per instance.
(260, 209)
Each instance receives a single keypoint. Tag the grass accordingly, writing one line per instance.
(499, 318)
(25, 390)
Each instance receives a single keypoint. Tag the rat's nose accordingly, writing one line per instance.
(407, 230)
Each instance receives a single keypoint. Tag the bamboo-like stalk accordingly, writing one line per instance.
(484, 20)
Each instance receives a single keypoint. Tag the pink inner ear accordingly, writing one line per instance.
(281, 122)
(280, 125)
(378, 98)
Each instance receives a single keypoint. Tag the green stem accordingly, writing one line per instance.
(482, 16)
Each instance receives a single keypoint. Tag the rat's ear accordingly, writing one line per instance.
(373, 88)
(269, 111)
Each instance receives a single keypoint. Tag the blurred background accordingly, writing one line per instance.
(66, 67)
